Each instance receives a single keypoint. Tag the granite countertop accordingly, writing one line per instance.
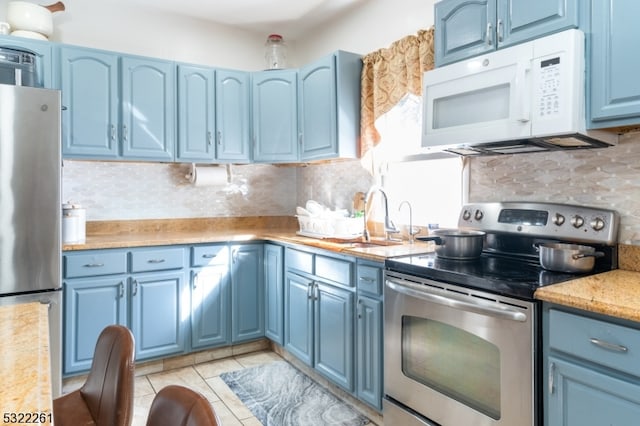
(24, 365)
(615, 293)
(128, 234)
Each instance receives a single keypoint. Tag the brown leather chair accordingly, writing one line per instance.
(106, 398)
(179, 406)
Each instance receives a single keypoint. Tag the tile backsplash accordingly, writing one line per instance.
(120, 190)
(607, 178)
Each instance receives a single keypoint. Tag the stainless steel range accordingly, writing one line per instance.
(462, 337)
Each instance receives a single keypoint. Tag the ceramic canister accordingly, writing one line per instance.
(73, 224)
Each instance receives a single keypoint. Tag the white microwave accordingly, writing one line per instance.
(526, 98)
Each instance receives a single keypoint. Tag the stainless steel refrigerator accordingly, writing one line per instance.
(30, 208)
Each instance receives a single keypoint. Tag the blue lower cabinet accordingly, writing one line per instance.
(90, 305)
(298, 317)
(157, 317)
(369, 351)
(334, 337)
(247, 293)
(274, 293)
(210, 302)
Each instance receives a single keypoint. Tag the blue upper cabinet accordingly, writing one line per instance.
(148, 108)
(329, 107)
(117, 107)
(275, 123)
(196, 114)
(233, 100)
(613, 82)
(90, 119)
(44, 56)
(467, 28)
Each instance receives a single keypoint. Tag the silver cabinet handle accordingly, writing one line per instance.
(310, 290)
(155, 261)
(316, 292)
(219, 137)
(367, 279)
(135, 288)
(124, 132)
(499, 30)
(209, 138)
(609, 346)
(209, 256)
(552, 374)
(121, 292)
(300, 139)
(195, 281)
(489, 34)
(93, 265)
(113, 132)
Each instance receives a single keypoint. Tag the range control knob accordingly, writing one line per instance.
(466, 215)
(557, 219)
(479, 215)
(597, 224)
(577, 221)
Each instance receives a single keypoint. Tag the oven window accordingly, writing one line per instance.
(456, 363)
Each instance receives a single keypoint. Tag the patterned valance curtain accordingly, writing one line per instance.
(387, 76)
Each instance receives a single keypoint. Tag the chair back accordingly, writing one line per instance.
(180, 406)
(108, 390)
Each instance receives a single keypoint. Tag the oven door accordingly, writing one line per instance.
(458, 356)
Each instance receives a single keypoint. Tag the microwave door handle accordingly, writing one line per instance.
(415, 290)
(523, 97)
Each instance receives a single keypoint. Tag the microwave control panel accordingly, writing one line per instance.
(549, 88)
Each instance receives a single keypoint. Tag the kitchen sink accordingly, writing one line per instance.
(377, 243)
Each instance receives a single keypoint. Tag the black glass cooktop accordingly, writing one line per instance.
(497, 274)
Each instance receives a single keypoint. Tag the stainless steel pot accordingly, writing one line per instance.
(456, 243)
(572, 258)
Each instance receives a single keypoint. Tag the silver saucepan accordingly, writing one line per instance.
(456, 244)
(572, 258)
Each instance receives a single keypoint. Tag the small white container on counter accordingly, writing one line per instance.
(74, 220)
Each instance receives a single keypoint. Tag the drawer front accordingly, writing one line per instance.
(210, 255)
(96, 263)
(157, 259)
(299, 260)
(369, 279)
(611, 345)
(336, 270)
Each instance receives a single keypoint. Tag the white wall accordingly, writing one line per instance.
(367, 27)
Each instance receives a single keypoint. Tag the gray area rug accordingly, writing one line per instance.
(280, 395)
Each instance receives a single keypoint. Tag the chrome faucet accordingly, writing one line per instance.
(389, 227)
(412, 232)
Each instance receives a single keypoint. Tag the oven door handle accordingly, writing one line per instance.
(471, 305)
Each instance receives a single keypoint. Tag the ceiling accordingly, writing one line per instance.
(290, 18)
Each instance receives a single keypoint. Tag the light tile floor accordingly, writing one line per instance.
(203, 377)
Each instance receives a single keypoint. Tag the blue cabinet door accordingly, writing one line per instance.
(196, 114)
(210, 302)
(334, 336)
(369, 351)
(463, 29)
(467, 28)
(90, 118)
(89, 306)
(247, 292)
(581, 396)
(157, 319)
(43, 51)
(275, 123)
(233, 136)
(613, 82)
(148, 108)
(317, 106)
(274, 293)
(522, 20)
(298, 317)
